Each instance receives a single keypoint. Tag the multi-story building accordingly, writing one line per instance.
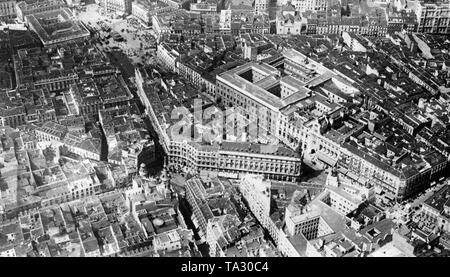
(39, 109)
(316, 229)
(168, 241)
(204, 7)
(309, 5)
(80, 182)
(159, 27)
(51, 131)
(261, 6)
(167, 57)
(33, 74)
(145, 9)
(58, 82)
(126, 138)
(12, 116)
(371, 25)
(29, 7)
(140, 10)
(122, 7)
(233, 159)
(400, 21)
(179, 22)
(309, 223)
(437, 208)
(93, 94)
(246, 87)
(56, 27)
(7, 10)
(89, 148)
(354, 42)
(256, 191)
(237, 21)
(174, 3)
(191, 72)
(290, 21)
(395, 176)
(198, 191)
(221, 157)
(266, 99)
(433, 17)
(279, 108)
(344, 196)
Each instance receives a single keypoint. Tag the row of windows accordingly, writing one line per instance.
(306, 227)
(254, 111)
(67, 196)
(241, 162)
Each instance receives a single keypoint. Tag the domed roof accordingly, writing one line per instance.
(158, 222)
(165, 175)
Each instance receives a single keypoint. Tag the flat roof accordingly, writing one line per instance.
(250, 89)
(266, 149)
(388, 250)
(64, 28)
(439, 199)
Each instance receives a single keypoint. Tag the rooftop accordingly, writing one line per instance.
(56, 26)
(264, 149)
(439, 200)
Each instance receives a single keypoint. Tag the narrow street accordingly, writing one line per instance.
(418, 201)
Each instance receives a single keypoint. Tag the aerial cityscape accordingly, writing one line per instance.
(224, 128)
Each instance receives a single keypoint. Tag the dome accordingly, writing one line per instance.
(158, 222)
(165, 175)
(143, 170)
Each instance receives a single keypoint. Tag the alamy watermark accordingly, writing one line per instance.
(209, 124)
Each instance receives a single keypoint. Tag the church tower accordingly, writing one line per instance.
(165, 179)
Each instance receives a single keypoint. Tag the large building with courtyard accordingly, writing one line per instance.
(56, 27)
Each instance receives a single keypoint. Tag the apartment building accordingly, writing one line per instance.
(232, 159)
(261, 6)
(30, 7)
(118, 6)
(309, 5)
(7, 10)
(256, 190)
(433, 17)
(145, 9)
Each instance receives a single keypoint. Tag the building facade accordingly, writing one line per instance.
(433, 17)
(290, 21)
(145, 9)
(24, 8)
(309, 5)
(7, 10)
(118, 6)
(261, 6)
